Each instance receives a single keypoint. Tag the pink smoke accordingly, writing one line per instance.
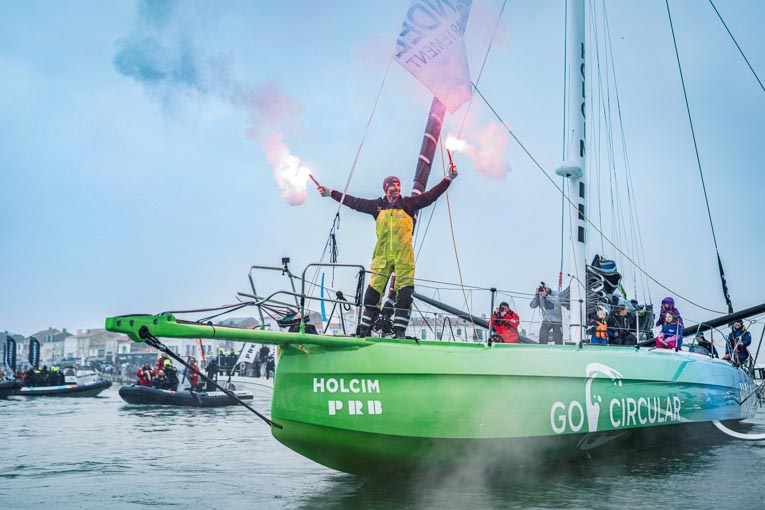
(289, 175)
(489, 152)
(268, 107)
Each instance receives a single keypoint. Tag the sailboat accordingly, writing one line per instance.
(375, 405)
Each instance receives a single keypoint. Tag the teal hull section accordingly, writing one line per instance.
(395, 406)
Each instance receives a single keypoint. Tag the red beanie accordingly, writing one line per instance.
(389, 181)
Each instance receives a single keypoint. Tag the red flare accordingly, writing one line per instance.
(314, 180)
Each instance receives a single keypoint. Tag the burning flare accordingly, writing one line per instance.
(288, 173)
(489, 155)
(455, 144)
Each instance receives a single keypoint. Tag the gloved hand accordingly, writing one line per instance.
(325, 192)
(452, 173)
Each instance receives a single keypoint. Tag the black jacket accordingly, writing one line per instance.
(622, 329)
(410, 205)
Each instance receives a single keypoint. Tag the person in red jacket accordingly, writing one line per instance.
(161, 361)
(194, 374)
(506, 322)
(145, 375)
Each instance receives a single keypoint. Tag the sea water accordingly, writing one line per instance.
(103, 453)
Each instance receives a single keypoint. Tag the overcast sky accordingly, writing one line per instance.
(137, 143)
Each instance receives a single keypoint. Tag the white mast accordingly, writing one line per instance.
(573, 166)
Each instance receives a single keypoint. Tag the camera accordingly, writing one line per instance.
(542, 288)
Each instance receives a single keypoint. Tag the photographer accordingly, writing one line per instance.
(505, 323)
(552, 316)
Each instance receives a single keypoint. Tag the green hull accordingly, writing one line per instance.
(372, 406)
(398, 406)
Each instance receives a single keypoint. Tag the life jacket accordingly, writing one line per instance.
(601, 330)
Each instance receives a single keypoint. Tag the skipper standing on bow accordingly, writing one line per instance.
(394, 216)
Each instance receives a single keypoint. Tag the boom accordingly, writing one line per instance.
(141, 327)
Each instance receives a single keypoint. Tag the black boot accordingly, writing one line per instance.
(403, 311)
(383, 324)
(371, 311)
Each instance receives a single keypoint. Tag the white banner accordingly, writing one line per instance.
(431, 47)
(248, 354)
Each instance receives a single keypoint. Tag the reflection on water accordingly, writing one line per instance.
(696, 479)
(94, 452)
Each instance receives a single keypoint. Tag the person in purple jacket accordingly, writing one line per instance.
(671, 336)
(668, 306)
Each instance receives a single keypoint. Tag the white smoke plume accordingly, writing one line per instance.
(160, 53)
(288, 173)
(488, 152)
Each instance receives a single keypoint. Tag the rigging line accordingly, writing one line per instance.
(586, 218)
(153, 341)
(211, 317)
(331, 244)
(616, 226)
(601, 118)
(483, 64)
(212, 309)
(417, 279)
(424, 319)
(364, 136)
(416, 235)
(696, 150)
(631, 231)
(454, 239)
(425, 234)
(336, 220)
(759, 344)
(617, 217)
(737, 46)
(607, 121)
(632, 203)
(462, 126)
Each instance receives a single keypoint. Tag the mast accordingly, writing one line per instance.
(573, 166)
(428, 147)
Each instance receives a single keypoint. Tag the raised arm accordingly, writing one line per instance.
(418, 202)
(357, 204)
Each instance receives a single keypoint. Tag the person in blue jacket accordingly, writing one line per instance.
(599, 327)
(671, 336)
(737, 347)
